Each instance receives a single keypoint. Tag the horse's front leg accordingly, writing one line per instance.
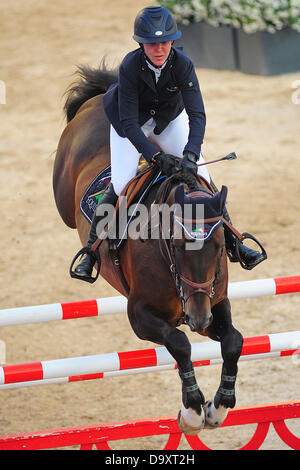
(191, 417)
(231, 341)
(149, 325)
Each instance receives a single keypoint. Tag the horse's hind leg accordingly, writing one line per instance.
(231, 341)
(149, 326)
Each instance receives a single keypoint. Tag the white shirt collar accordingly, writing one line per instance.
(156, 70)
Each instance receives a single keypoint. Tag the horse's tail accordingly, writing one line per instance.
(91, 82)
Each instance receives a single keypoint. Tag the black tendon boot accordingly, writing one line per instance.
(236, 251)
(85, 268)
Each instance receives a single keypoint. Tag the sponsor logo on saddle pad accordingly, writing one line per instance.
(93, 193)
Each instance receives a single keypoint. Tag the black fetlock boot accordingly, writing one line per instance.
(236, 251)
(85, 268)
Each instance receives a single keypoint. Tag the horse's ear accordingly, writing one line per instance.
(224, 191)
(219, 200)
(179, 194)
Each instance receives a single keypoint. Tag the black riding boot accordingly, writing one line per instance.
(248, 258)
(85, 267)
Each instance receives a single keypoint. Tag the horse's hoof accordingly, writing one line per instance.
(189, 422)
(214, 417)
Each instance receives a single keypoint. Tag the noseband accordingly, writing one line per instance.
(206, 288)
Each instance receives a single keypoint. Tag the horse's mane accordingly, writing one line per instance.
(91, 82)
(189, 179)
(192, 182)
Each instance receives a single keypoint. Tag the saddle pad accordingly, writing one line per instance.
(138, 199)
(93, 193)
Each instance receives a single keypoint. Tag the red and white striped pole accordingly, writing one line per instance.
(263, 287)
(113, 305)
(63, 311)
(206, 353)
(141, 370)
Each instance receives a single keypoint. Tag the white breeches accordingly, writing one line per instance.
(125, 157)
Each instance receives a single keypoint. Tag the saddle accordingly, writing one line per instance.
(134, 192)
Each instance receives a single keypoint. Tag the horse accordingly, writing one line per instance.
(166, 284)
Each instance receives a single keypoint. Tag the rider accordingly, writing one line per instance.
(155, 110)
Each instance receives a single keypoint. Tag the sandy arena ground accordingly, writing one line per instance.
(41, 43)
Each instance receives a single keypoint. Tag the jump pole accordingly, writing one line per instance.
(118, 304)
(205, 353)
(142, 370)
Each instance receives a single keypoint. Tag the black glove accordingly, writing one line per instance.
(167, 163)
(188, 163)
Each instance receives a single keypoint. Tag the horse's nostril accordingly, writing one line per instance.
(199, 323)
(189, 322)
(207, 322)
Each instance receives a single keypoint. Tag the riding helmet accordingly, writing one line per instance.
(155, 24)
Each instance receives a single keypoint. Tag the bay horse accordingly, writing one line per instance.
(167, 284)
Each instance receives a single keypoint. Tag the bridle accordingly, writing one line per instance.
(168, 250)
(206, 287)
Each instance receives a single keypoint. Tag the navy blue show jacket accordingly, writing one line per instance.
(136, 98)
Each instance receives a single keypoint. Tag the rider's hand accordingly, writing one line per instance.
(166, 162)
(189, 163)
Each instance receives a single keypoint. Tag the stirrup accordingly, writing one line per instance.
(239, 241)
(86, 251)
